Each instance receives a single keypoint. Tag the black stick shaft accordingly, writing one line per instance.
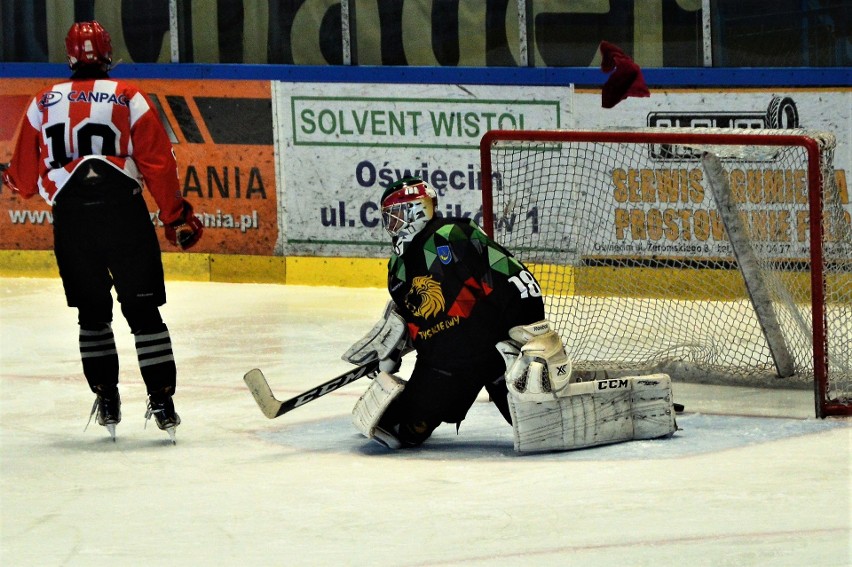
(272, 407)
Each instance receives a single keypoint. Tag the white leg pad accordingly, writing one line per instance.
(653, 408)
(595, 413)
(374, 401)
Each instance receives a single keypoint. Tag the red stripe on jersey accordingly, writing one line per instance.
(99, 117)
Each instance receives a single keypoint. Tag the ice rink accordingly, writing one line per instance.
(751, 479)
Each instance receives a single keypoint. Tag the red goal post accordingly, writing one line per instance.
(718, 255)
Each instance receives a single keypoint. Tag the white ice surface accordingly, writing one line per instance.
(751, 479)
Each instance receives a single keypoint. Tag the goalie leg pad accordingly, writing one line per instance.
(372, 404)
(594, 413)
(653, 408)
(582, 418)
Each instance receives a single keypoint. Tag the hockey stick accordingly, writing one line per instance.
(273, 407)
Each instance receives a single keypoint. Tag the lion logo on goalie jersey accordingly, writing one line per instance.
(425, 299)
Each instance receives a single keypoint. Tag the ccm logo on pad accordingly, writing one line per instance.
(612, 384)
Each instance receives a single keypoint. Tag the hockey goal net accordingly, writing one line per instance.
(713, 255)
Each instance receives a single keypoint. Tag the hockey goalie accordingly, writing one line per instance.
(474, 315)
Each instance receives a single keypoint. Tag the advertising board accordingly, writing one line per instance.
(222, 134)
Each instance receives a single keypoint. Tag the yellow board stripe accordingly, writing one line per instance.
(294, 270)
(660, 283)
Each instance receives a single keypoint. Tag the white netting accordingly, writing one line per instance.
(632, 250)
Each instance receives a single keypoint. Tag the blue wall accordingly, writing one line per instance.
(579, 76)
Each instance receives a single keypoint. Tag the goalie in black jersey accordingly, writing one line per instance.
(475, 316)
(455, 294)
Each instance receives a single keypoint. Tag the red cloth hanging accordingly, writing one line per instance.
(625, 81)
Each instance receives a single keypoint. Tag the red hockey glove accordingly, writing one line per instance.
(185, 232)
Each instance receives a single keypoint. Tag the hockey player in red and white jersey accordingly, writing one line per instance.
(88, 146)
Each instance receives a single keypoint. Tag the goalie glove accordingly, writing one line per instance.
(537, 366)
(387, 341)
(184, 233)
(393, 361)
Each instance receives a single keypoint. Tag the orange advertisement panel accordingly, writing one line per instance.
(222, 135)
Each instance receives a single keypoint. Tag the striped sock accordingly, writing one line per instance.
(99, 356)
(156, 360)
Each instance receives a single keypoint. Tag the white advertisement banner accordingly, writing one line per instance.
(340, 145)
(658, 211)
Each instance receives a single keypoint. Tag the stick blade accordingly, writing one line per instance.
(262, 393)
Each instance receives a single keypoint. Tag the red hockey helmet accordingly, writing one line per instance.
(88, 43)
(407, 207)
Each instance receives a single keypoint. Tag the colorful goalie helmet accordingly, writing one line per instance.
(407, 206)
(88, 43)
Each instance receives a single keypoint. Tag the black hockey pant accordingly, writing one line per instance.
(104, 237)
(433, 396)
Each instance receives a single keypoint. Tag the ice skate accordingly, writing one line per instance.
(107, 412)
(162, 409)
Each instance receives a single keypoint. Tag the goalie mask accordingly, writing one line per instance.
(88, 43)
(407, 207)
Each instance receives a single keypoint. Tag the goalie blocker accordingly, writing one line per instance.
(387, 342)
